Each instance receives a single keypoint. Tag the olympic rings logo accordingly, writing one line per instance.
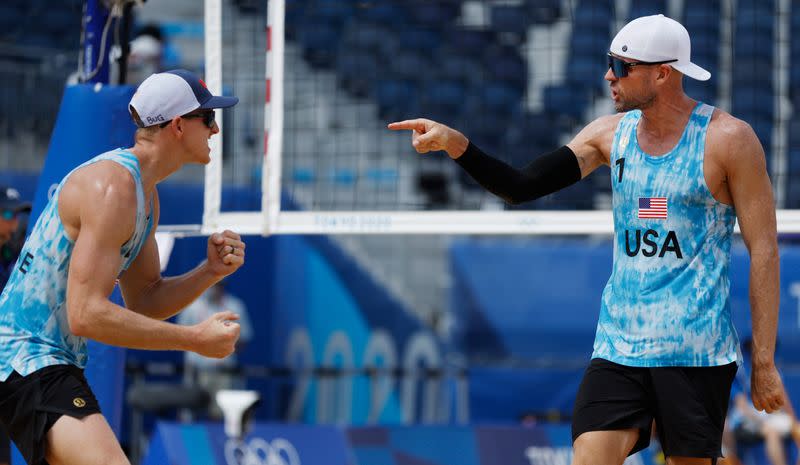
(261, 452)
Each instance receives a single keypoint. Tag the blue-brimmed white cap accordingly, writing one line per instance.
(164, 96)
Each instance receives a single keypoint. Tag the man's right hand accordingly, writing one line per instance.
(216, 337)
(429, 136)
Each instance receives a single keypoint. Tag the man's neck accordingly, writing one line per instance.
(668, 114)
(155, 164)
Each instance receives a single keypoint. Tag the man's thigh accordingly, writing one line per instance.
(604, 447)
(85, 441)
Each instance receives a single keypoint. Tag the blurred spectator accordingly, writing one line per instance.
(13, 222)
(146, 55)
(209, 373)
(745, 424)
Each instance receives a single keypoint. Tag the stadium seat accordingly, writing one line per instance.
(443, 100)
(468, 40)
(396, 99)
(357, 71)
(411, 64)
(755, 101)
(384, 12)
(510, 19)
(451, 64)
(593, 16)
(419, 39)
(543, 11)
(319, 39)
(433, 13)
(646, 8)
(560, 99)
(506, 64)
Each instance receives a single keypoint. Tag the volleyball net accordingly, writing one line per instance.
(319, 80)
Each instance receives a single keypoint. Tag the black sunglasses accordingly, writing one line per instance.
(620, 67)
(208, 118)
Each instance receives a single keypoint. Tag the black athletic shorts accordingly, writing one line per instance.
(30, 405)
(688, 404)
(5, 446)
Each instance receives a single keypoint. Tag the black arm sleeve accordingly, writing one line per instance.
(544, 175)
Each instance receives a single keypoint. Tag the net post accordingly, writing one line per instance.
(213, 78)
(273, 117)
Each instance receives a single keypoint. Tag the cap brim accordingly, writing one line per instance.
(693, 71)
(16, 206)
(220, 102)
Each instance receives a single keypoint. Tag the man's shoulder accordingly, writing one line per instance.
(723, 124)
(104, 179)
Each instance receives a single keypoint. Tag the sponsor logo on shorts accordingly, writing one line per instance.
(78, 402)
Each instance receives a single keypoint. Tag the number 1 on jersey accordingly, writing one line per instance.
(621, 163)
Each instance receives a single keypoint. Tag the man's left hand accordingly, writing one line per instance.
(225, 253)
(767, 388)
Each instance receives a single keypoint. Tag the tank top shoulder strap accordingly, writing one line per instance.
(624, 133)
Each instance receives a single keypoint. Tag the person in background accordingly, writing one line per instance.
(214, 374)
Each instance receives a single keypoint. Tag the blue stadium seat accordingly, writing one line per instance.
(704, 10)
(593, 16)
(319, 39)
(752, 71)
(337, 11)
(419, 39)
(753, 44)
(383, 12)
(410, 64)
(543, 11)
(433, 13)
(756, 102)
(587, 72)
(452, 64)
(506, 64)
(366, 35)
(468, 40)
(357, 70)
(755, 19)
(646, 8)
(443, 100)
(701, 91)
(563, 100)
(396, 98)
(529, 134)
(511, 19)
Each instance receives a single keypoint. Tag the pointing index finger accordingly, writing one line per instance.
(413, 124)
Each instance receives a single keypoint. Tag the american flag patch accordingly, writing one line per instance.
(653, 207)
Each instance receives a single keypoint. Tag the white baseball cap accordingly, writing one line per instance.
(164, 96)
(658, 38)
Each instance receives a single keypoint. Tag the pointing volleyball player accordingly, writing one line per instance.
(682, 173)
(99, 226)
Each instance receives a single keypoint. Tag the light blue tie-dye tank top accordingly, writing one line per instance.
(34, 332)
(667, 301)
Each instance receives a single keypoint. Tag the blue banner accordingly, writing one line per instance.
(279, 444)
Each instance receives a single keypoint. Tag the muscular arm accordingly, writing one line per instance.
(544, 175)
(102, 226)
(148, 293)
(751, 192)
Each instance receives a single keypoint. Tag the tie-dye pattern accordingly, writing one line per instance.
(34, 332)
(663, 310)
